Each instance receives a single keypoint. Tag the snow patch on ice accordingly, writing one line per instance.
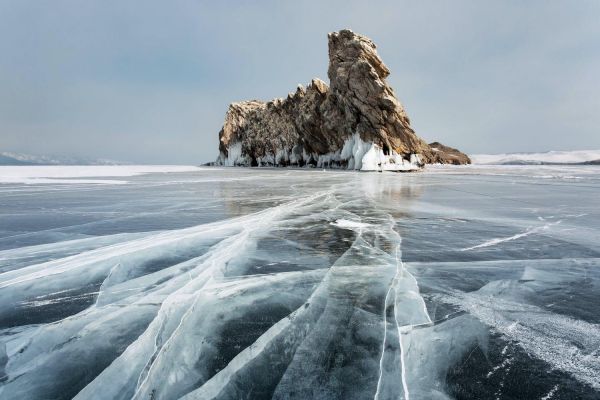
(344, 223)
(72, 174)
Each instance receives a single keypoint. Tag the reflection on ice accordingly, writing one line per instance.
(305, 284)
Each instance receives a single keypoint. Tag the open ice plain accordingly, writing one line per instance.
(207, 283)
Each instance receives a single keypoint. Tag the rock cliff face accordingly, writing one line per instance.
(355, 123)
(440, 154)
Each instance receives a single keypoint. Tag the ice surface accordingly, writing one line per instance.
(457, 282)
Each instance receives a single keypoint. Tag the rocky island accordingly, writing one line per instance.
(354, 123)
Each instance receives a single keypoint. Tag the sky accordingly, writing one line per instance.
(150, 81)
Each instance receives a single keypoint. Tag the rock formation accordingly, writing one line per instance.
(355, 123)
(440, 154)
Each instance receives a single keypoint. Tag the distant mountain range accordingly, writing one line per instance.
(10, 158)
(579, 157)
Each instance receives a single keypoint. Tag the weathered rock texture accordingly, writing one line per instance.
(440, 154)
(354, 123)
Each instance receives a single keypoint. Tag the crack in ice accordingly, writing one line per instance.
(496, 241)
(403, 329)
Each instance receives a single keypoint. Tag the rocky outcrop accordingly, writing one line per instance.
(440, 154)
(355, 123)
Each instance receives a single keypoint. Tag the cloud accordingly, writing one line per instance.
(150, 81)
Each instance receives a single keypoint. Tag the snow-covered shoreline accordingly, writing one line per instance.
(550, 157)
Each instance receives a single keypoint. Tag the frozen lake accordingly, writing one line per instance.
(208, 283)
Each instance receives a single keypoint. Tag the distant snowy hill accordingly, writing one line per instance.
(550, 157)
(10, 158)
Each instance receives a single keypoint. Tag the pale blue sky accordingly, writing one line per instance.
(150, 81)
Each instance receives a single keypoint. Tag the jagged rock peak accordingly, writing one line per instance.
(345, 47)
(355, 123)
(357, 75)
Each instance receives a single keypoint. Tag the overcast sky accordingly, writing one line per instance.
(150, 81)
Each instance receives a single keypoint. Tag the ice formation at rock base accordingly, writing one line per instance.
(354, 155)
